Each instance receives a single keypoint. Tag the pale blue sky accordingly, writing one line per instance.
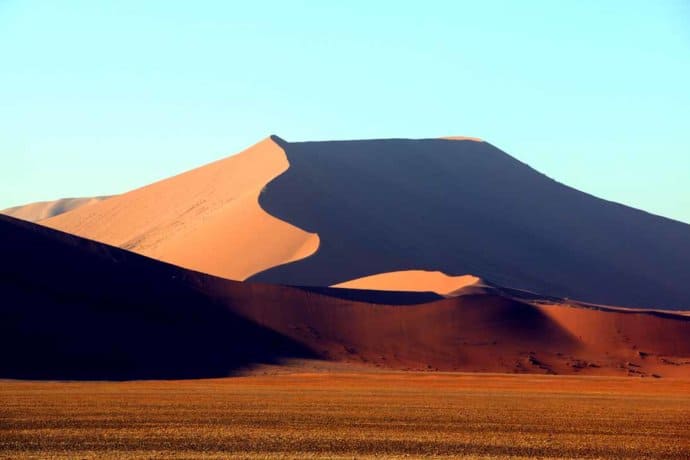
(100, 97)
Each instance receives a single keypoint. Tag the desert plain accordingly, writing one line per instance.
(314, 412)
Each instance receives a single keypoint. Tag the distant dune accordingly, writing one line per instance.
(326, 213)
(34, 212)
(75, 308)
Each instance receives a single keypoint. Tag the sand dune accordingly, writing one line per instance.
(463, 207)
(648, 340)
(326, 213)
(34, 212)
(413, 280)
(75, 308)
(207, 219)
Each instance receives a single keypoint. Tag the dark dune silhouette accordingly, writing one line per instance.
(77, 309)
(72, 308)
(466, 207)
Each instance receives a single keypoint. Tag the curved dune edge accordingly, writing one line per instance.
(462, 138)
(412, 280)
(208, 219)
(40, 210)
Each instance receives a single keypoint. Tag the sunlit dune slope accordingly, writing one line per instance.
(75, 308)
(207, 219)
(412, 280)
(34, 212)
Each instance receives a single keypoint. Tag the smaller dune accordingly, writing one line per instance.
(38, 211)
(414, 281)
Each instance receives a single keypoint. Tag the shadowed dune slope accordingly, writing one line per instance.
(72, 308)
(34, 212)
(461, 206)
(75, 308)
(207, 219)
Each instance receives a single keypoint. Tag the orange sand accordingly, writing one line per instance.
(412, 280)
(41, 210)
(354, 415)
(207, 219)
(462, 138)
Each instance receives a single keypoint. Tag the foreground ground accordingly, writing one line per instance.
(349, 415)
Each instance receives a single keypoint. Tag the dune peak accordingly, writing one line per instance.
(461, 138)
(278, 140)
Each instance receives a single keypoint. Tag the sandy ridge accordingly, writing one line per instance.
(207, 219)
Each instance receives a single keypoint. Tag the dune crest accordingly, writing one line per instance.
(462, 138)
(412, 280)
(207, 219)
(40, 210)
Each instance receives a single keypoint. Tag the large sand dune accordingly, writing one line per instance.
(207, 219)
(461, 206)
(41, 210)
(326, 213)
(75, 308)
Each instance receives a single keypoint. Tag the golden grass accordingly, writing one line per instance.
(349, 415)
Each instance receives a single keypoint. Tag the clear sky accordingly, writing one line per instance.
(101, 97)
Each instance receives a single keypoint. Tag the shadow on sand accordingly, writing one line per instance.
(467, 207)
(75, 309)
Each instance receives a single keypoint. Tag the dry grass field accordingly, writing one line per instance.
(349, 415)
